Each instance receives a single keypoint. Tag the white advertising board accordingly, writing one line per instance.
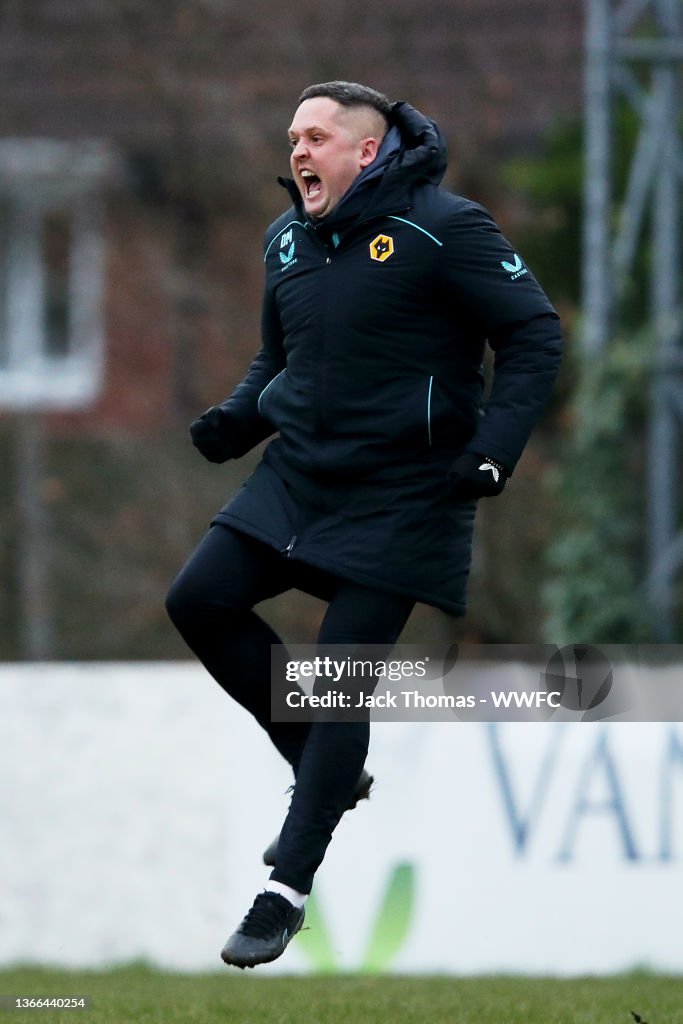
(135, 802)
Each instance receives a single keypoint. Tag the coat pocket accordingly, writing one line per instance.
(259, 400)
(430, 387)
(450, 415)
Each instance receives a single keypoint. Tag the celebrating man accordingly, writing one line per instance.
(382, 290)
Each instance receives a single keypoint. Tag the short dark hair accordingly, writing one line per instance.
(350, 94)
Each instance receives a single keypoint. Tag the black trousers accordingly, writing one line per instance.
(211, 604)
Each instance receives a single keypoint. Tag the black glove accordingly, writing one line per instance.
(213, 433)
(476, 476)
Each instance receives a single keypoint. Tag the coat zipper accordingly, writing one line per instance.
(288, 550)
(320, 418)
(320, 414)
(429, 410)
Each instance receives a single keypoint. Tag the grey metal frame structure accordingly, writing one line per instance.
(620, 38)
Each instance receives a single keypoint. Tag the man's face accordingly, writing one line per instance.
(329, 150)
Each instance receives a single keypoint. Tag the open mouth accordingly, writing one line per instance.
(312, 184)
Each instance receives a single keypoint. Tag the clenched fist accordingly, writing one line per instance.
(213, 434)
(476, 476)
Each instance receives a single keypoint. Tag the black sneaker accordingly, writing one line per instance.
(264, 932)
(361, 792)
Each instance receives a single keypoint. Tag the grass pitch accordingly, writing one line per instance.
(140, 995)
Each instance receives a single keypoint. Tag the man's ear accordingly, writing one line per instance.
(368, 150)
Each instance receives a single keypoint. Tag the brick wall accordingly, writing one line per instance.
(198, 94)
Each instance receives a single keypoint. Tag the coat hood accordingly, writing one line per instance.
(423, 155)
(412, 151)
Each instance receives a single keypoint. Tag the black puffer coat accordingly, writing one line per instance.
(374, 326)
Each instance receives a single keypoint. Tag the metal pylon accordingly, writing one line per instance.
(635, 48)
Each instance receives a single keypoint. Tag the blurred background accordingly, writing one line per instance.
(139, 148)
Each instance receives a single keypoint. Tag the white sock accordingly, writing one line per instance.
(297, 899)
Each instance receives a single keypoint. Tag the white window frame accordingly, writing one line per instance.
(38, 176)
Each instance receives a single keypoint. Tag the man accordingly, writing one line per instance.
(381, 292)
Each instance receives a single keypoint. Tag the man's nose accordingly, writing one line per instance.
(299, 150)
